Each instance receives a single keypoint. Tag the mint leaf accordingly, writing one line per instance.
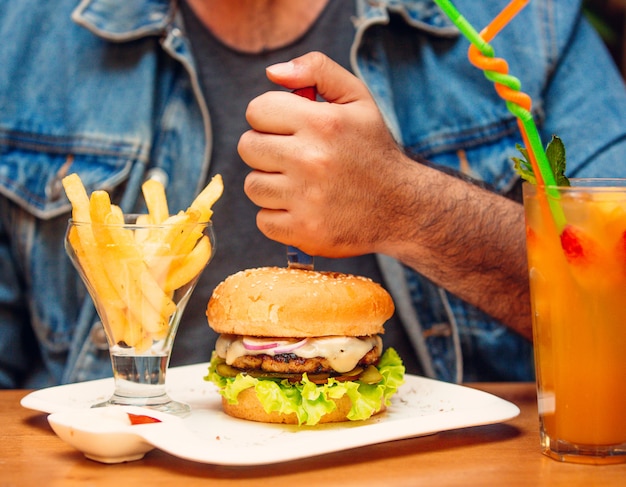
(555, 153)
(523, 167)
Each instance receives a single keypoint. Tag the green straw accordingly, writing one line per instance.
(524, 116)
(465, 27)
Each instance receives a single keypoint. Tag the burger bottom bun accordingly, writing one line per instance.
(249, 407)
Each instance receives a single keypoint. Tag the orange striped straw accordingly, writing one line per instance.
(482, 55)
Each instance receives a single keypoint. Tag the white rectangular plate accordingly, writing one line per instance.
(421, 407)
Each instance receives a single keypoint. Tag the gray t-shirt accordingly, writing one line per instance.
(229, 80)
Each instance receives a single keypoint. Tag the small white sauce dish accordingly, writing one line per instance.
(106, 434)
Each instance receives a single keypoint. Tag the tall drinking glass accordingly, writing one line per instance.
(578, 297)
(140, 277)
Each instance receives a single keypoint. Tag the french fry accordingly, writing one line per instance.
(90, 264)
(133, 273)
(141, 315)
(99, 209)
(142, 233)
(207, 198)
(99, 206)
(117, 321)
(204, 203)
(82, 241)
(77, 195)
(156, 201)
(189, 266)
(141, 285)
(186, 245)
(169, 241)
(133, 333)
(157, 336)
(186, 231)
(122, 262)
(156, 296)
(116, 216)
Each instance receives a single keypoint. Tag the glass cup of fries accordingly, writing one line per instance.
(140, 277)
(140, 271)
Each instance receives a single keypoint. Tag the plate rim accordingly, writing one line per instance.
(485, 408)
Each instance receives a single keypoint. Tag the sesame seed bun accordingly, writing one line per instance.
(283, 302)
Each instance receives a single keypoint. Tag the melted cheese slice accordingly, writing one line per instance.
(343, 353)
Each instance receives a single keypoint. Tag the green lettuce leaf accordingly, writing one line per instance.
(310, 401)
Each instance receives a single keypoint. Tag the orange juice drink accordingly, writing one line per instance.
(578, 296)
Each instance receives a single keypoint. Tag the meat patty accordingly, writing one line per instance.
(291, 363)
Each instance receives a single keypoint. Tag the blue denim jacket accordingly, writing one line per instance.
(108, 89)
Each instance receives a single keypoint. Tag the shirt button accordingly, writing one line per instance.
(98, 336)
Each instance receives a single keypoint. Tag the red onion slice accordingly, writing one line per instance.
(289, 347)
(259, 343)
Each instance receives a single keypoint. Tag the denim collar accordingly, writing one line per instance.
(424, 14)
(123, 20)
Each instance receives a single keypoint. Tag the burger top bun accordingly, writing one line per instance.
(284, 302)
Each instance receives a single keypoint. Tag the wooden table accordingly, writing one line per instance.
(505, 454)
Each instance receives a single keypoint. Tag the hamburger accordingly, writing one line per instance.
(302, 347)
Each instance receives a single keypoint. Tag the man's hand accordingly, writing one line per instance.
(323, 172)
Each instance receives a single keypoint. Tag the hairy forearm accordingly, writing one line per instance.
(468, 240)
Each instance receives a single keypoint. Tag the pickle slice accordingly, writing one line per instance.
(371, 375)
(367, 376)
